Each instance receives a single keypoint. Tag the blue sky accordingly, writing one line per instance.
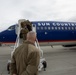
(36, 10)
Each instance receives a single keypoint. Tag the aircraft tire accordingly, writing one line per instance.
(44, 65)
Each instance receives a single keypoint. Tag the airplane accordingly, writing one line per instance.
(48, 33)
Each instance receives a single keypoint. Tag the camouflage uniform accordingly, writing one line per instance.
(23, 33)
(24, 30)
(29, 25)
(26, 27)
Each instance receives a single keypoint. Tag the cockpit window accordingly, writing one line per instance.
(11, 28)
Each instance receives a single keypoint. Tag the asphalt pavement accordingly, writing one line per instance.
(60, 60)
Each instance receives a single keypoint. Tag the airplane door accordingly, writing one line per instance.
(34, 28)
(74, 35)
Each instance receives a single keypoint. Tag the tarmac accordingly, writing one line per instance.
(60, 60)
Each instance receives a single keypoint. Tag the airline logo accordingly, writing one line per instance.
(64, 24)
(56, 24)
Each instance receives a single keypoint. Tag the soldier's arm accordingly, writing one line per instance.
(33, 63)
(13, 70)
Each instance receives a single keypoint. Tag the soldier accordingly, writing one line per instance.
(29, 25)
(24, 31)
(25, 59)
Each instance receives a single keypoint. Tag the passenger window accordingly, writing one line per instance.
(55, 28)
(52, 28)
(62, 28)
(41, 28)
(48, 28)
(69, 28)
(58, 28)
(45, 28)
(65, 28)
(72, 28)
